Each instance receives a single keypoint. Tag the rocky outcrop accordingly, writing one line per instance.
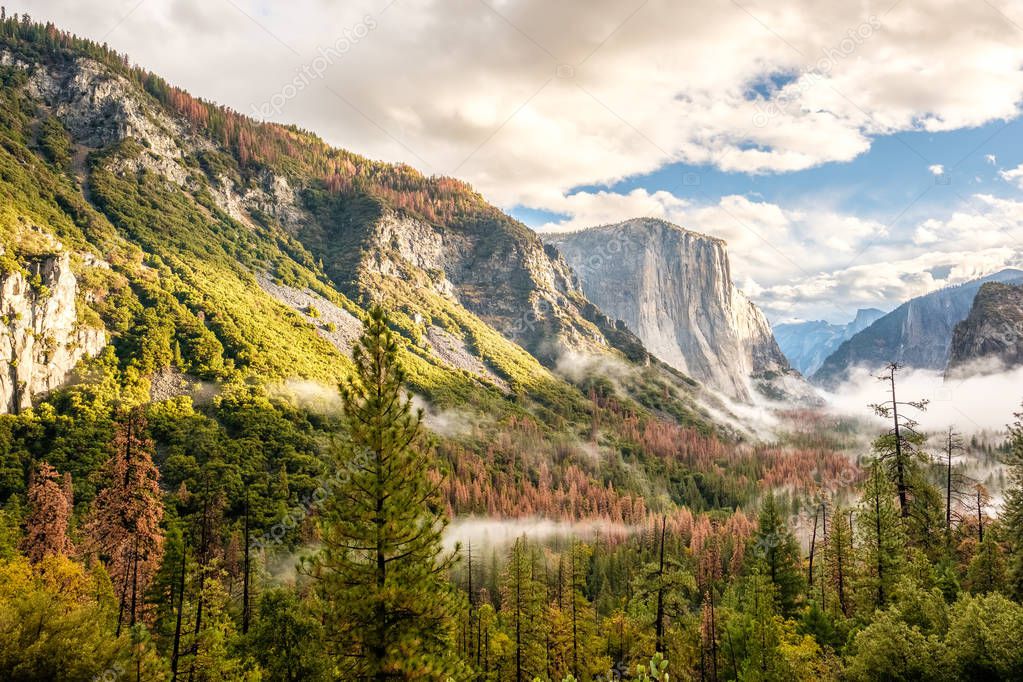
(991, 337)
(673, 288)
(808, 344)
(333, 323)
(917, 334)
(99, 108)
(41, 339)
(479, 259)
(497, 269)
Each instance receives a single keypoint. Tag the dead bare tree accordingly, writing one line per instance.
(899, 449)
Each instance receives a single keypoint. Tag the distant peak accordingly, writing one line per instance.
(867, 314)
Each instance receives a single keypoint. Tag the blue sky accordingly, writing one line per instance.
(881, 183)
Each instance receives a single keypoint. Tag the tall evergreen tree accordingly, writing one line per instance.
(522, 613)
(776, 552)
(381, 574)
(1012, 511)
(837, 566)
(986, 571)
(880, 540)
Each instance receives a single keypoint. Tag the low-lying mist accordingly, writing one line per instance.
(499, 533)
(979, 403)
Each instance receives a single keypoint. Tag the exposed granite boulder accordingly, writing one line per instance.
(41, 339)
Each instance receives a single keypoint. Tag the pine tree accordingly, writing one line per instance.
(381, 574)
(50, 504)
(210, 656)
(838, 564)
(900, 449)
(580, 614)
(709, 638)
(286, 638)
(954, 481)
(1012, 511)
(522, 613)
(665, 587)
(124, 524)
(776, 552)
(760, 630)
(986, 572)
(880, 539)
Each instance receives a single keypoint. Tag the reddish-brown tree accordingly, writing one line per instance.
(50, 502)
(124, 525)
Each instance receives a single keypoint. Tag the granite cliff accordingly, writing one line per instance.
(674, 289)
(41, 339)
(808, 344)
(916, 334)
(991, 336)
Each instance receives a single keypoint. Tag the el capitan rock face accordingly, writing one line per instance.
(991, 336)
(673, 289)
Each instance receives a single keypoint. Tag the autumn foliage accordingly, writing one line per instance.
(50, 502)
(124, 525)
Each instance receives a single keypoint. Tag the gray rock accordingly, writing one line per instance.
(917, 334)
(808, 344)
(673, 288)
(41, 340)
(991, 337)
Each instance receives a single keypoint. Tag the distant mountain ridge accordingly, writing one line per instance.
(916, 334)
(808, 344)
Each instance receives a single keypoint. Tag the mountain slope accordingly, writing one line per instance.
(280, 202)
(808, 344)
(991, 336)
(916, 334)
(222, 267)
(673, 288)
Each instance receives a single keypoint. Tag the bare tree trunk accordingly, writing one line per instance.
(713, 638)
(203, 548)
(518, 617)
(660, 590)
(575, 632)
(181, 608)
(948, 490)
(899, 464)
(134, 581)
(824, 531)
(120, 609)
(980, 517)
(877, 529)
(246, 610)
(813, 542)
